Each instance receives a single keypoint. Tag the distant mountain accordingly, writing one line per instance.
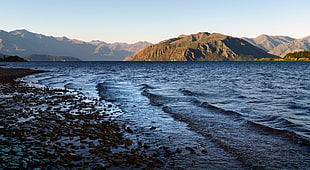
(268, 43)
(280, 45)
(200, 47)
(123, 46)
(24, 43)
(37, 57)
(294, 46)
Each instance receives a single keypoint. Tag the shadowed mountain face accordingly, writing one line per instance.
(280, 45)
(24, 43)
(200, 47)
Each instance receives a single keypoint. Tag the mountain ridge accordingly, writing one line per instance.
(24, 43)
(268, 42)
(43, 57)
(280, 45)
(200, 47)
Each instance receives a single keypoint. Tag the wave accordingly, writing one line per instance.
(268, 124)
(219, 110)
(146, 86)
(104, 93)
(191, 93)
(293, 136)
(156, 100)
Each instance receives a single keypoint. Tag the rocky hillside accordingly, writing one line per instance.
(200, 47)
(24, 43)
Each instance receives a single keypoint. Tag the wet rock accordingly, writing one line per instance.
(66, 131)
(6, 150)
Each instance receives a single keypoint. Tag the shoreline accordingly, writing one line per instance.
(55, 128)
(10, 74)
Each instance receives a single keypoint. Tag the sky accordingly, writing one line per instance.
(155, 20)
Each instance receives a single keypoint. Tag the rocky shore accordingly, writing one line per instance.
(60, 129)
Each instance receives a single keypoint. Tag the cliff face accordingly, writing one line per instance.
(200, 47)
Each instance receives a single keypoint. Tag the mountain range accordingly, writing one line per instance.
(25, 43)
(39, 47)
(42, 57)
(280, 45)
(201, 47)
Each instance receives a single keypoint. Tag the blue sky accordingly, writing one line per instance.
(155, 20)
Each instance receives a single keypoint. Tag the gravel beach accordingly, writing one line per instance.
(56, 129)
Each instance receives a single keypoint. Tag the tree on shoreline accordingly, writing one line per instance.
(297, 56)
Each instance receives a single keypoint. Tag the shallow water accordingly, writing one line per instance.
(220, 114)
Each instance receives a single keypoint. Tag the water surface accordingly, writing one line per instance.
(212, 114)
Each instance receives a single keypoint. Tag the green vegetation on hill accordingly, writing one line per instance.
(12, 59)
(296, 56)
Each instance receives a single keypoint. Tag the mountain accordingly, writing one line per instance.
(294, 46)
(267, 42)
(200, 47)
(24, 43)
(123, 46)
(280, 45)
(37, 57)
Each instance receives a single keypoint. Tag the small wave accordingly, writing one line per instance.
(269, 124)
(45, 79)
(102, 89)
(187, 92)
(278, 122)
(146, 86)
(294, 105)
(256, 101)
(215, 108)
(155, 100)
(299, 139)
(68, 85)
(191, 93)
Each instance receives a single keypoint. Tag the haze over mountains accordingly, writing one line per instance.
(38, 47)
(25, 43)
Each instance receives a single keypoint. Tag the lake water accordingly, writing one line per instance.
(215, 114)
